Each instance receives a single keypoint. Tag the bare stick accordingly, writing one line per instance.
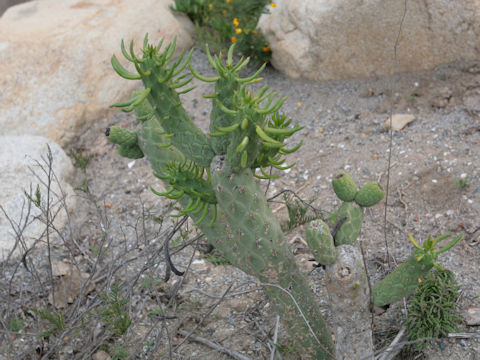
(393, 349)
(275, 336)
(233, 354)
(204, 317)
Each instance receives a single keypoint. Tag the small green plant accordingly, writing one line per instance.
(413, 96)
(462, 182)
(431, 311)
(114, 313)
(15, 324)
(220, 23)
(297, 212)
(38, 197)
(55, 318)
(216, 259)
(82, 162)
(118, 351)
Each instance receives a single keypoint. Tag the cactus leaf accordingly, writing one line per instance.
(449, 245)
(243, 160)
(253, 77)
(282, 132)
(201, 77)
(284, 151)
(412, 240)
(265, 137)
(226, 129)
(242, 145)
(124, 52)
(120, 70)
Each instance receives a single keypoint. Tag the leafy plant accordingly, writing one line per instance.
(220, 23)
(82, 162)
(431, 312)
(55, 318)
(114, 313)
(297, 212)
(15, 324)
(462, 182)
(216, 259)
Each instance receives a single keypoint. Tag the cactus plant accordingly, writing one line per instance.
(405, 278)
(212, 176)
(348, 217)
(347, 282)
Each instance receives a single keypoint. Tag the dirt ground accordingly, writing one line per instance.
(344, 132)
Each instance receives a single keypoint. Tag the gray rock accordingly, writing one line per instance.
(55, 60)
(22, 165)
(326, 39)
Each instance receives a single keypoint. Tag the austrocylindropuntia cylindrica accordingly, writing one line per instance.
(212, 176)
(348, 218)
(405, 278)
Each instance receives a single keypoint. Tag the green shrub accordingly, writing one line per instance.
(431, 311)
(223, 22)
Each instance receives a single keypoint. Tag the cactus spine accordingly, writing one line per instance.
(212, 177)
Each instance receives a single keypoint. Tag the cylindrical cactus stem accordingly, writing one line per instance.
(130, 152)
(225, 88)
(344, 187)
(320, 242)
(121, 136)
(161, 82)
(352, 216)
(370, 194)
(403, 280)
(349, 296)
(253, 241)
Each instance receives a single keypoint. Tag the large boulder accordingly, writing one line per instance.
(55, 60)
(336, 39)
(24, 163)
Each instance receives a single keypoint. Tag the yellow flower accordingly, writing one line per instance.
(272, 4)
(419, 280)
(266, 48)
(228, 1)
(210, 6)
(238, 31)
(235, 22)
(254, 32)
(299, 103)
(234, 39)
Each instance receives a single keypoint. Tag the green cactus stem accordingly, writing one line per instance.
(320, 242)
(258, 247)
(221, 196)
(352, 217)
(370, 194)
(405, 278)
(161, 82)
(344, 187)
(227, 83)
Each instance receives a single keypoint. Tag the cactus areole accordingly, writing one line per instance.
(212, 176)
